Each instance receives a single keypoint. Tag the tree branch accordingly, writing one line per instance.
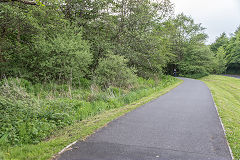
(21, 1)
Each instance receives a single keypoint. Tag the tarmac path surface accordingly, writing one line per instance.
(235, 76)
(180, 125)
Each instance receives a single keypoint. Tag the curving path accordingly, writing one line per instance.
(180, 125)
(230, 75)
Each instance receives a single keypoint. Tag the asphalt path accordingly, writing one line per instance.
(230, 75)
(180, 125)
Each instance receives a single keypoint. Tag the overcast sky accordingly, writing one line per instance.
(216, 15)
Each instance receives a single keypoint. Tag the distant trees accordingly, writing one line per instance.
(221, 41)
(227, 53)
(185, 41)
(220, 61)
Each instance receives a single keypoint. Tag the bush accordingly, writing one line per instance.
(26, 119)
(64, 57)
(113, 71)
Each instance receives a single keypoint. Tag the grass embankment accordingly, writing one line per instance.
(226, 94)
(40, 121)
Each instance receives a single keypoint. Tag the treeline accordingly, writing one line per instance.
(227, 50)
(109, 42)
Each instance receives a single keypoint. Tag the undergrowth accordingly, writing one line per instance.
(30, 113)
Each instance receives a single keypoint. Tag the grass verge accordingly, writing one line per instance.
(78, 131)
(226, 94)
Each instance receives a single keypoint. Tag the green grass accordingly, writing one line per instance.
(96, 119)
(226, 94)
(29, 113)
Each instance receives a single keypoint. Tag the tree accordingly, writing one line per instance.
(227, 53)
(220, 61)
(234, 48)
(197, 60)
(21, 26)
(66, 57)
(137, 38)
(113, 71)
(189, 54)
(222, 40)
(233, 53)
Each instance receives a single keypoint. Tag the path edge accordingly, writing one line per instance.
(229, 148)
(56, 156)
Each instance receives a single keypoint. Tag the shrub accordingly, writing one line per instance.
(113, 71)
(64, 57)
(25, 119)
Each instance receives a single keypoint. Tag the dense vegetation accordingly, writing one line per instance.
(226, 94)
(227, 52)
(64, 41)
(63, 119)
(30, 112)
(62, 61)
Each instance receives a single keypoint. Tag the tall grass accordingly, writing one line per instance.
(30, 113)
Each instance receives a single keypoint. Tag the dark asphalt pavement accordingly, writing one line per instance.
(180, 125)
(230, 75)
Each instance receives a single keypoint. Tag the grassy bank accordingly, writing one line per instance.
(38, 121)
(226, 94)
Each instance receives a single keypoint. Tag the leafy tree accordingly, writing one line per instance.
(113, 71)
(123, 27)
(222, 40)
(189, 54)
(64, 57)
(234, 49)
(136, 38)
(227, 53)
(233, 53)
(24, 29)
(220, 61)
(197, 60)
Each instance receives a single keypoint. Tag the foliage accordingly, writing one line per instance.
(124, 28)
(113, 71)
(230, 46)
(234, 48)
(197, 60)
(190, 56)
(80, 130)
(64, 57)
(221, 41)
(220, 61)
(50, 47)
(20, 25)
(31, 112)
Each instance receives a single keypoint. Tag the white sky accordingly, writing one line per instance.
(216, 16)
